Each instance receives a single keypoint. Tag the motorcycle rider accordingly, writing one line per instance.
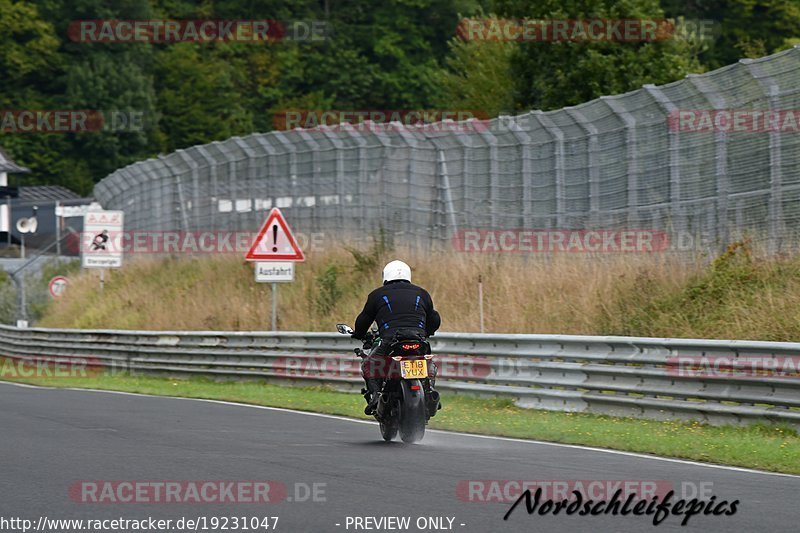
(401, 310)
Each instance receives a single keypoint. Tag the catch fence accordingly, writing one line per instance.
(630, 161)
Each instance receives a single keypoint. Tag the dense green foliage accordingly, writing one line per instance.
(395, 54)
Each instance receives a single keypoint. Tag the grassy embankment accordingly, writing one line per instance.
(737, 296)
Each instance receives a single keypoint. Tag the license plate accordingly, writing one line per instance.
(414, 369)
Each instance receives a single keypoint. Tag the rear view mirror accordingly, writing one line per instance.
(344, 329)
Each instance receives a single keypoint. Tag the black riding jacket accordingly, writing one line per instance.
(398, 305)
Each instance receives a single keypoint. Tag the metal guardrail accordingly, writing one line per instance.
(718, 382)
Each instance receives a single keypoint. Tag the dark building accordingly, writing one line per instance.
(41, 201)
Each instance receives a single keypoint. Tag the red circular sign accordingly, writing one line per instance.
(57, 286)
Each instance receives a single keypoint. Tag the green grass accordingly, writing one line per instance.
(762, 447)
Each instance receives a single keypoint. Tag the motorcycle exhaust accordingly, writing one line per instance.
(432, 401)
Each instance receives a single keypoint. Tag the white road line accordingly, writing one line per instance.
(443, 432)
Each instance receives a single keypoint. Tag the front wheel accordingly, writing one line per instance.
(389, 430)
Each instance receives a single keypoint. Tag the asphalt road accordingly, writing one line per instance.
(53, 441)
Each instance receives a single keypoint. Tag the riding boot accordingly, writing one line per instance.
(371, 395)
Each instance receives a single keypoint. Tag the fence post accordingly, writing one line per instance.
(676, 203)
(250, 178)
(387, 148)
(591, 159)
(176, 174)
(721, 141)
(362, 165)
(212, 170)
(411, 144)
(271, 153)
(314, 179)
(444, 196)
(232, 180)
(494, 182)
(524, 141)
(447, 197)
(772, 91)
(158, 195)
(292, 149)
(192, 164)
(632, 161)
(558, 148)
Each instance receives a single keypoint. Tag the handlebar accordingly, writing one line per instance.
(368, 339)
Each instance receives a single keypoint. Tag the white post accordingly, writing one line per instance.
(5, 209)
(480, 300)
(58, 228)
(274, 307)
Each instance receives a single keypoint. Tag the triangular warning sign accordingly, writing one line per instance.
(275, 241)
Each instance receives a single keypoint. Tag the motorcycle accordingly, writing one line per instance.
(406, 400)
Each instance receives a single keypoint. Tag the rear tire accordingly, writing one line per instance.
(412, 422)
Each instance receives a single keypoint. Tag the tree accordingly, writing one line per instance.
(29, 61)
(197, 100)
(115, 85)
(554, 74)
(478, 77)
(392, 50)
(28, 46)
(742, 28)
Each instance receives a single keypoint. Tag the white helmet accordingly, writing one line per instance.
(396, 270)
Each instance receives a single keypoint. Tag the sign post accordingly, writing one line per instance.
(274, 273)
(274, 314)
(275, 252)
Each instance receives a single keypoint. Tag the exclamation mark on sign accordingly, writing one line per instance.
(275, 237)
